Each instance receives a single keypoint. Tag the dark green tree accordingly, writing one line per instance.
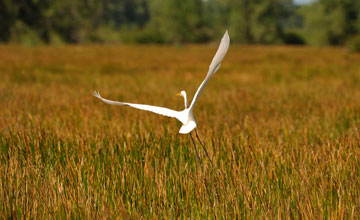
(8, 17)
(259, 21)
(268, 19)
(177, 21)
(129, 13)
(331, 21)
(241, 20)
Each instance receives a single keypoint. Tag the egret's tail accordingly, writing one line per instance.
(187, 128)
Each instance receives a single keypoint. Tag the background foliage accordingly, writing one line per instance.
(324, 22)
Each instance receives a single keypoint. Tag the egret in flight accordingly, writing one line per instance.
(186, 116)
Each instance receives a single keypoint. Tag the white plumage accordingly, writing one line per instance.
(185, 116)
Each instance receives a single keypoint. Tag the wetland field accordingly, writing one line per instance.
(280, 123)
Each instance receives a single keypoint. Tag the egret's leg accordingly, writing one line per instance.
(202, 145)
(197, 154)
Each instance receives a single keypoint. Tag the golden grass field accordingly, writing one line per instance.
(281, 124)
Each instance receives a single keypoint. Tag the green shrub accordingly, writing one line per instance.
(354, 44)
(142, 36)
(104, 34)
(23, 34)
(293, 39)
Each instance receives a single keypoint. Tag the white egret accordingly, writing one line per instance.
(185, 116)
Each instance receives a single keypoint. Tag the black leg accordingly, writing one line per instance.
(197, 136)
(197, 154)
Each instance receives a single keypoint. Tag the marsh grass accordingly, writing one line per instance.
(280, 123)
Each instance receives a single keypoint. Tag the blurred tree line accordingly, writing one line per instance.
(324, 22)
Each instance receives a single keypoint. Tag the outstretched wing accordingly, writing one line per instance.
(214, 65)
(158, 110)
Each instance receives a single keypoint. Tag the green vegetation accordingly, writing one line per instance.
(281, 124)
(354, 44)
(331, 22)
(33, 22)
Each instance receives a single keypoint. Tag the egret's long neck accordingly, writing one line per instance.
(185, 101)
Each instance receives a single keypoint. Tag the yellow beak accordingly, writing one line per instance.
(179, 94)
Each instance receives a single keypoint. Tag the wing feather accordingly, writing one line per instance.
(214, 65)
(155, 109)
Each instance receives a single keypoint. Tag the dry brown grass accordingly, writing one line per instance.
(281, 123)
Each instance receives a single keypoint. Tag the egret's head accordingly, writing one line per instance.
(182, 93)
